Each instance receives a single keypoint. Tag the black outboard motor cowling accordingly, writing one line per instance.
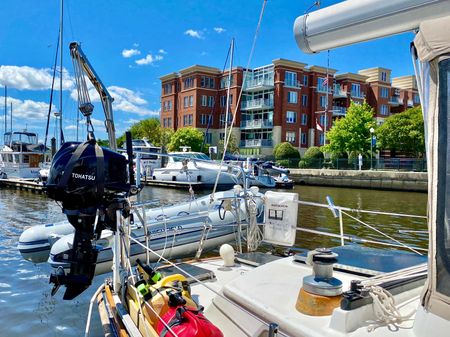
(76, 177)
(89, 181)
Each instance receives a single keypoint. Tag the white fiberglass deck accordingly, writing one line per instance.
(270, 293)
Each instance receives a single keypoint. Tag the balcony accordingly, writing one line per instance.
(293, 84)
(257, 124)
(257, 104)
(258, 84)
(395, 101)
(339, 93)
(357, 95)
(339, 111)
(256, 143)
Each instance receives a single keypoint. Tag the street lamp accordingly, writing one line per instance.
(372, 130)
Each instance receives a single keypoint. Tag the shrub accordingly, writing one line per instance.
(313, 157)
(286, 151)
(283, 162)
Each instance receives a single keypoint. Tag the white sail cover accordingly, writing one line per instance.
(433, 39)
(432, 45)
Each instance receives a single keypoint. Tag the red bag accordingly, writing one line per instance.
(187, 322)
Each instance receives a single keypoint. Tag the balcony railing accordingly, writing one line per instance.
(355, 94)
(339, 111)
(339, 93)
(257, 124)
(255, 104)
(256, 143)
(396, 101)
(293, 84)
(258, 84)
(410, 103)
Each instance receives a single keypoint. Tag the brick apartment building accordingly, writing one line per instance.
(283, 101)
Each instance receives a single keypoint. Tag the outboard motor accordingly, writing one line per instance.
(91, 182)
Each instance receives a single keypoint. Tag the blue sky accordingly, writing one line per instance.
(132, 43)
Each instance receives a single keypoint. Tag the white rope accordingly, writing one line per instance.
(254, 234)
(385, 309)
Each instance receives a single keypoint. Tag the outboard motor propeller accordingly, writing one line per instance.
(91, 182)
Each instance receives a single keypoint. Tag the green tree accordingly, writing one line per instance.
(186, 137)
(233, 146)
(403, 132)
(149, 128)
(351, 134)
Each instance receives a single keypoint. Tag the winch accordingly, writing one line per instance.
(321, 292)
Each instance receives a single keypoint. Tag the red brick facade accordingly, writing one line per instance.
(284, 101)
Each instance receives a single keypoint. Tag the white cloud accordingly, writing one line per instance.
(149, 59)
(70, 127)
(125, 100)
(28, 109)
(219, 30)
(194, 33)
(130, 52)
(135, 45)
(162, 51)
(29, 78)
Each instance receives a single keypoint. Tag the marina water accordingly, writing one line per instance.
(29, 309)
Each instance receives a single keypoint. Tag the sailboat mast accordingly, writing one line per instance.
(6, 109)
(228, 93)
(11, 121)
(61, 72)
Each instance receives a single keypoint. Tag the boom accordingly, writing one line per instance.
(83, 67)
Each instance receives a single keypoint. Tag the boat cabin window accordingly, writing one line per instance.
(21, 137)
(443, 197)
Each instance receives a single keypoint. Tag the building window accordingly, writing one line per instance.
(191, 100)
(304, 100)
(416, 99)
(304, 119)
(224, 82)
(384, 76)
(165, 122)
(167, 88)
(290, 136)
(187, 120)
(321, 139)
(204, 119)
(222, 119)
(303, 138)
(291, 117)
(169, 105)
(384, 92)
(292, 97)
(169, 122)
(207, 82)
(208, 137)
(222, 135)
(188, 82)
(322, 119)
(164, 106)
(185, 101)
(211, 101)
(384, 109)
(323, 101)
(204, 100)
(322, 84)
(290, 79)
(356, 90)
(305, 80)
(223, 100)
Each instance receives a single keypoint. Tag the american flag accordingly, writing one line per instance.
(325, 82)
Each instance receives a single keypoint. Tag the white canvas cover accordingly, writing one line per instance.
(432, 44)
(433, 39)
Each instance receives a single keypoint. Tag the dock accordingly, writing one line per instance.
(23, 184)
